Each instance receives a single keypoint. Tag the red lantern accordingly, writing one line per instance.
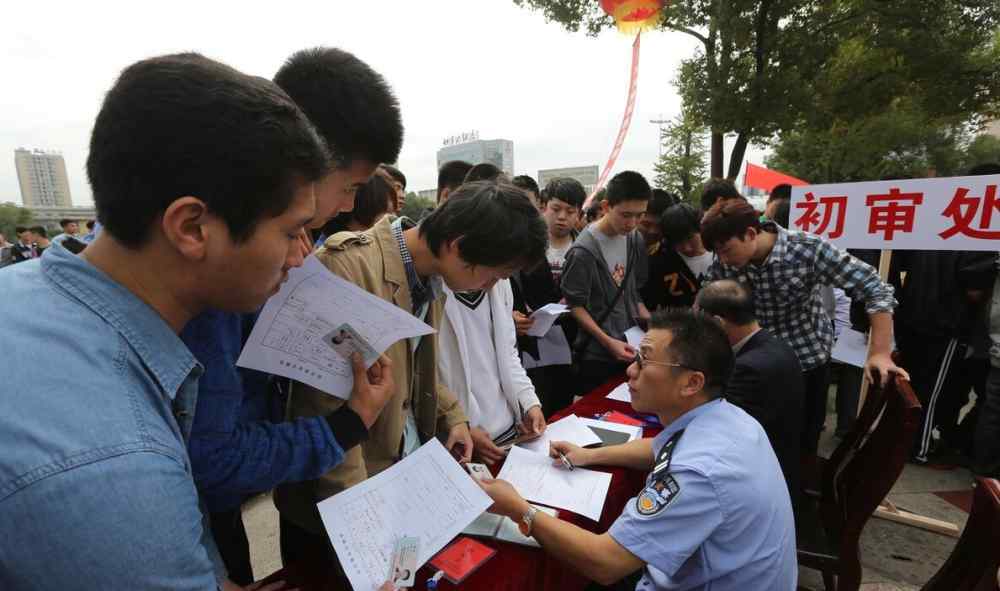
(634, 16)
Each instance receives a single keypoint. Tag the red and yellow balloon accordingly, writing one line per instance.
(634, 16)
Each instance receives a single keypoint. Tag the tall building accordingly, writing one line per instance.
(470, 148)
(587, 175)
(43, 179)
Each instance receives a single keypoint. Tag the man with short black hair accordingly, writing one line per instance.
(99, 489)
(450, 176)
(781, 195)
(23, 249)
(766, 380)
(69, 228)
(481, 234)
(39, 239)
(605, 269)
(785, 271)
(530, 186)
(714, 512)
(677, 268)
(716, 189)
(240, 445)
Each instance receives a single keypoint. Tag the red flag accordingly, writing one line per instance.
(766, 179)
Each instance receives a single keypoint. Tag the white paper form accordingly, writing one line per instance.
(553, 349)
(634, 336)
(290, 337)
(545, 317)
(851, 348)
(569, 428)
(538, 480)
(426, 495)
(621, 393)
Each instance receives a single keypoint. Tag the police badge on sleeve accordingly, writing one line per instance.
(658, 494)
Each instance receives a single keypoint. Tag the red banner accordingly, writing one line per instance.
(633, 88)
(766, 179)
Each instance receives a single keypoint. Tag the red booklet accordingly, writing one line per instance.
(461, 559)
(622, 418)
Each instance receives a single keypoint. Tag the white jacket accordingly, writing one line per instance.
(453, 360)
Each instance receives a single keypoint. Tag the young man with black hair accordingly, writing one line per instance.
(239, 444)
(484, 171)
(451, 175)
(780, 195)
(678, 266)
(533, 288)
(481, 234)
(716, 189)
(69, 228)
(649, 223)
(39, 239)
(605, 269)
(785, 271)
(398, 185)
(100, 491)
(766, 380)
(529, 185)
(23, 250)
(714, 512)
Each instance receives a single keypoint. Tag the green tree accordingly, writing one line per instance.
(681, 168)
(761, 63)
(11, 216)
(416, 207)
(982, 149)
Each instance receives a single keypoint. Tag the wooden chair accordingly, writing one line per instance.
(973, 563)
(842, 492)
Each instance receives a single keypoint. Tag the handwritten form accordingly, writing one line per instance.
(426, 495)
(537, 479)
(569, 428)
(291, 337)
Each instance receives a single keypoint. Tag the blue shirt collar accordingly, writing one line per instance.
(157, 345)
(685, 419)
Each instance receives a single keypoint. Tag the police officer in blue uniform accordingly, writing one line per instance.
(715, 512)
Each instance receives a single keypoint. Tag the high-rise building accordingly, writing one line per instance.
(43, 179)
(470, 148)
(587, 175)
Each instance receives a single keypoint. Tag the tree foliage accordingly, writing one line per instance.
(416, 207)
(769, 67)
(11, 216)
(681, 168)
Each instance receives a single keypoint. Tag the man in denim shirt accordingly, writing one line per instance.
(203, 178)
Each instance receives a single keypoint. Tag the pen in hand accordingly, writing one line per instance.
(565, 461)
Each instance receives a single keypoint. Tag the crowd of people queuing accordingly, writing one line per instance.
(132, 439)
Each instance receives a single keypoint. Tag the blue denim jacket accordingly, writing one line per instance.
(235, 450)
(96, 490)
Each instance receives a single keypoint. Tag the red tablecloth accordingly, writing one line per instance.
(522, 568)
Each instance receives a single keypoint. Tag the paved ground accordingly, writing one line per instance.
(895, 557)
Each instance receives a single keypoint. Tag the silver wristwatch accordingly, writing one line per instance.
(528, 519)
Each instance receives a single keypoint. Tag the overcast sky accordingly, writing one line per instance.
(456, 65)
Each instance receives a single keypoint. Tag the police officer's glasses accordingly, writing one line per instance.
(640, 360)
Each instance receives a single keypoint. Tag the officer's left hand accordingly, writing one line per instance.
(533, 422)
(879, 366)
(506, 500)
(460, 436)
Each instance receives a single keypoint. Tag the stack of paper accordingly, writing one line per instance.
(535, 477)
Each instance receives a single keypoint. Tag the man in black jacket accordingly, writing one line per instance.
(767, 380)
(680, 261)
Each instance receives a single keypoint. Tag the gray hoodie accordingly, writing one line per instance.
(586, 282)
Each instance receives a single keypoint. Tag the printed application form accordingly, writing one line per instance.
(569, 428)
(426, 495)
(295, 334)
(533, 475)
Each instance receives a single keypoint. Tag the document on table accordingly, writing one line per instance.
(634, 336)
(569, 428)
(545, 317)
(553, 349)
(296, 332)
(426, 495)
(621, 393)
(851, 348)
(533, 475)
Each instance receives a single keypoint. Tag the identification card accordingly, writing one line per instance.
(345, 341)
(404, 562)
(478, 471)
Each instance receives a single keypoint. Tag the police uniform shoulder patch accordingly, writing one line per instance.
(657, 495)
